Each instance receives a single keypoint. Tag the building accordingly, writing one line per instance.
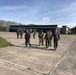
(45, 28)
(65, 30)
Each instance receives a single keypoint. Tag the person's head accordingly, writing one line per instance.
(56, 30)
(47, 32)
(26, 31)
(50, 31)
(41, 30)
(19, 28)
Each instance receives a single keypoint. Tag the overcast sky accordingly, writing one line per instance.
(61, 12)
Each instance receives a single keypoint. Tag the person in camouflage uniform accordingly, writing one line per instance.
(56, 38)
(50, 34)
(21, 34)
(47, 39)
(18, 32)
(41, 38)
(34, 33)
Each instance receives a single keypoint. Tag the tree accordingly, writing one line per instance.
(2, 28)
(73, 30)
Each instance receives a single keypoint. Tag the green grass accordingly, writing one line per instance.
(4, 43)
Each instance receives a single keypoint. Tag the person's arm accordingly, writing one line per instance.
(38, 35)
(45, 36)
(25, 35)
(59, 36)
(29, 35)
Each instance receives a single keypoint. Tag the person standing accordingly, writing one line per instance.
(21, 34)
(34, 33)
(56, 37)
(47, 39)
(50, 34)
(41, 38)
(18, 33)
(27, 38)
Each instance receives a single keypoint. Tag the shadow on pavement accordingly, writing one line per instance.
(35, 46)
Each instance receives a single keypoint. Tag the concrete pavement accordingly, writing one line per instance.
(67, 64)
(34, 60)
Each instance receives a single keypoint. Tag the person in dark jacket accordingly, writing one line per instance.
(56, 38)
(27, 38)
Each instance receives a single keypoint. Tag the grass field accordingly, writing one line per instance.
(4, 43)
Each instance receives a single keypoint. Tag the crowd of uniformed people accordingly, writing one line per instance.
(43, 37)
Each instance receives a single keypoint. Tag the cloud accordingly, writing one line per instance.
(13, 7)
(66, 10)
(72, 24)
(46, 19)
(72, 15)
(69, 8)
(47, 13)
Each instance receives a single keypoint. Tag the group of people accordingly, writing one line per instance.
(47, 37)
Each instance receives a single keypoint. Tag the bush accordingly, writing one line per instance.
(2, 28)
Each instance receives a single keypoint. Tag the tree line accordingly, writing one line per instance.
(73, 30)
